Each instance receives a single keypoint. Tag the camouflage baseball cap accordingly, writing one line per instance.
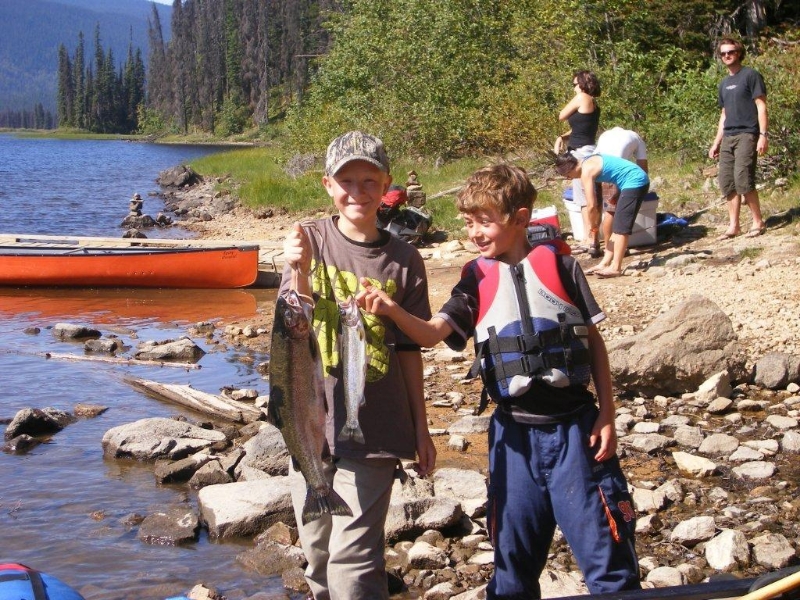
(355, 145)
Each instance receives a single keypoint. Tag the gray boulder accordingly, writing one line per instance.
(471, 424)
(178, 177)
(678, 351)
(182, 349)
(464, 485)
(270, 558)
(150, 439)
(266, 451)
(414, 509)
(179, 471)
(108, 345)
(70, 331)
(138, 222)
(245, 508)
(37, 421)
(20, 444)
(211, 473)
(775, 370)
(170, 527)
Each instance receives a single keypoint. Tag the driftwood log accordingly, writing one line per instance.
(105, 359)
(208, 404)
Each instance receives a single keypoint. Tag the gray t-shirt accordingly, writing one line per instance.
(396, 267)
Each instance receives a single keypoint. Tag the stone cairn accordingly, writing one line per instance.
(135, 206)
(416, 197)
(136, 220)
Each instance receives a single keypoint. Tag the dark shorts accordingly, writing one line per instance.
(628, 205)
(737, 163)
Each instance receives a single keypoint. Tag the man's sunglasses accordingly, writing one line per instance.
(728, 52)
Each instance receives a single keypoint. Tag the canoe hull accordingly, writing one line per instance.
(181, 267)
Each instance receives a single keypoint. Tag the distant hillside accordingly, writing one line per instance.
(31, 31)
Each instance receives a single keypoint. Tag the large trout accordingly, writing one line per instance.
(297, 403)
(353, 344)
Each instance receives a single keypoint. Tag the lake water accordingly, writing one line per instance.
(62, 505)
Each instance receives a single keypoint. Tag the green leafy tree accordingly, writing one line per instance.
(411, 71)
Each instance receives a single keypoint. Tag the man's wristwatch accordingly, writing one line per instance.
(764, 133)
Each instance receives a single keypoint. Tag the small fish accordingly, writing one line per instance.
(297, 403)
(353, 344)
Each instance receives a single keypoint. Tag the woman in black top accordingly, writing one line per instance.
(583, 115)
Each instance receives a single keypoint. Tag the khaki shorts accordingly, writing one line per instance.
(737, 163)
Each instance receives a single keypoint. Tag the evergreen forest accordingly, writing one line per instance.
(437, 79)
(96, 96)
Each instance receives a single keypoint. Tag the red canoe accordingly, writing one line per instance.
(74, 265)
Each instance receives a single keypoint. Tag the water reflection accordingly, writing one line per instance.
(110, 304)
(64, 508)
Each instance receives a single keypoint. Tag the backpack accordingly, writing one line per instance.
(406, 222)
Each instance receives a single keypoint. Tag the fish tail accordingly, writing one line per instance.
(318, 504)
(351, 432)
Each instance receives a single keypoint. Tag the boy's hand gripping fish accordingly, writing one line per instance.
(353, 350)
(297, 403)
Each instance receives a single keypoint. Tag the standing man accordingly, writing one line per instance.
(741, 135)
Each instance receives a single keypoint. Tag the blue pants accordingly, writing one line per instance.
(543, 475)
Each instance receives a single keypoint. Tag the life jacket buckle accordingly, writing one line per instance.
(568, 360)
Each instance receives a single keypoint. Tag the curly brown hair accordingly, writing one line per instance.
(506, 188)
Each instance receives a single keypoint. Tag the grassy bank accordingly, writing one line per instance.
(72, 134)
(260, 177)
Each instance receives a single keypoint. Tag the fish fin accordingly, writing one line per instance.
(273, 406)
(318, 504)
(358, 435)
(351, 432)
(273, 417)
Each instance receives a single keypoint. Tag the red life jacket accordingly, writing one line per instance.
(528, 327)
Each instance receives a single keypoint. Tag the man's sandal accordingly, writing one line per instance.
(755, 232)
(609, 273)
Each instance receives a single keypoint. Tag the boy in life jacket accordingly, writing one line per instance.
(552, 449)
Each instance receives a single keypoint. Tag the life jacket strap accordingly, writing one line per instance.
(483, 403)
(535, 364)
(530, 342)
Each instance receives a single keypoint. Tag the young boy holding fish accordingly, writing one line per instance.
(552, 450)
(326, 259)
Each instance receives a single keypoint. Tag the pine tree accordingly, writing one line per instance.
(65, 94)
(79, 79)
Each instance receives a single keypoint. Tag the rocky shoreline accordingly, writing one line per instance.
(704, 341)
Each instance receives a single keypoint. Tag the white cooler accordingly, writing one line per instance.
(644, 228)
